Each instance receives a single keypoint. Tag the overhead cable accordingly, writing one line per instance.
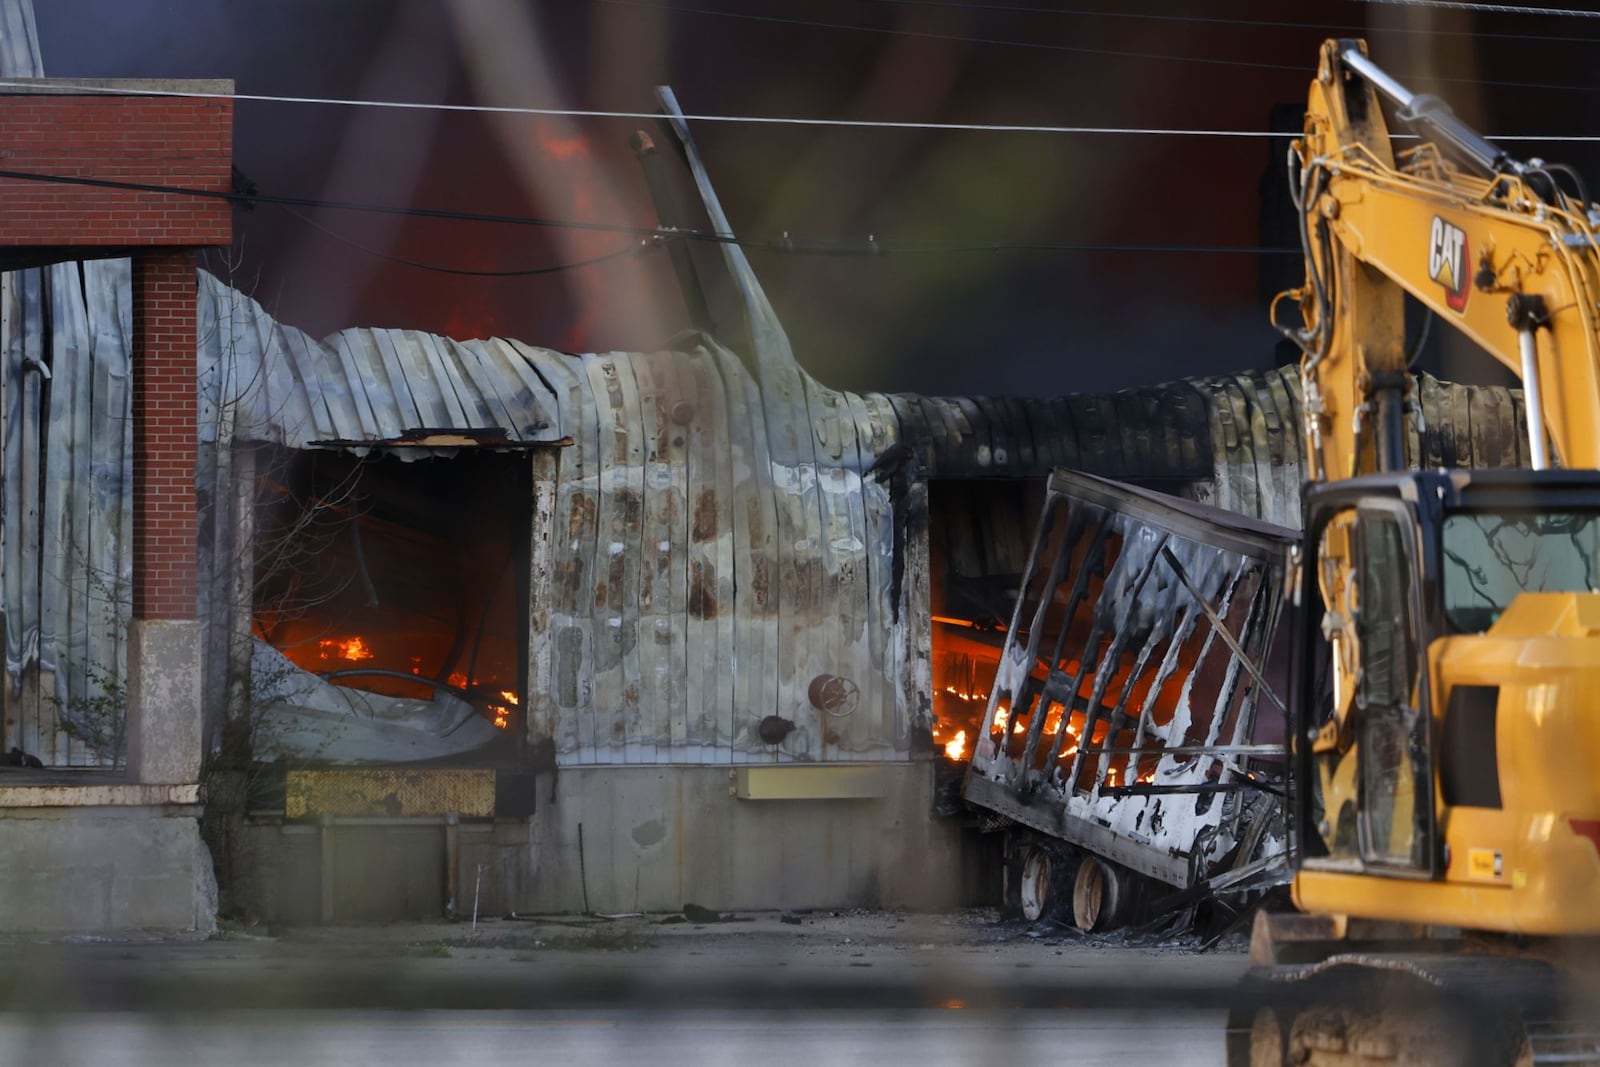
(823, 246)
(754, 120)
(1219, 20)
(437, 268)
(1492, 9)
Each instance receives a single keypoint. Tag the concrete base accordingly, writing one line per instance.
(163, 724)
(619, 839)
(653, 838)
(105, 870)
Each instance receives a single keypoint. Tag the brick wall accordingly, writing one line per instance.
(167, 141)
(164, 561)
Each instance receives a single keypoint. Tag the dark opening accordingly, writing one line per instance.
(377, 571)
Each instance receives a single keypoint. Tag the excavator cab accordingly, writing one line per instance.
(1444, 741)
(1445, 717)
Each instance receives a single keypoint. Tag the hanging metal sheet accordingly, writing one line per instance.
(1125, 701)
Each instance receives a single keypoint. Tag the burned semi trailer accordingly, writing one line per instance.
(1131, 745)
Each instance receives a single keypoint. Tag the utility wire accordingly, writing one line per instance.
(757, 120)
(525, 272)
(785, 244)
(651, 116)
(1492, 9)
(1217, 20)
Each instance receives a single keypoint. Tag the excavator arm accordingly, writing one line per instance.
(1444, 747)
(1500, 249)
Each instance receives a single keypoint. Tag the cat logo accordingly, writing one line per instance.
(1447, 261)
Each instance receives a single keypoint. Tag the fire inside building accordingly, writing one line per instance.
(617, 631)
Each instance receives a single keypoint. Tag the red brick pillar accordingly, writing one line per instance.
(164, 433)
(164, 643)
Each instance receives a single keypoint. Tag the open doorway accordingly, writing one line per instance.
(390, 604)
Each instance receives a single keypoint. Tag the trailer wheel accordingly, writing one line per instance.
(1036, 891)
(1098, 895)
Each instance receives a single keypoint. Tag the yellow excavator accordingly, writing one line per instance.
(1444, 787)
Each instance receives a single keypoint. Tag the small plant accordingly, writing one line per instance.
(429, 949)
(97, 715)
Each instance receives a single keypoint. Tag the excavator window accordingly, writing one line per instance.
(1388, 659)
(1371, 754)
(1491, 557)
(1385, 693)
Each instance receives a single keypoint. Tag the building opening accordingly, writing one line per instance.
(390, 605)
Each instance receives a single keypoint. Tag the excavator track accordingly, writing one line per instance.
(1408, 1011)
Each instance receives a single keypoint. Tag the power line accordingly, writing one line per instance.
(1217, 20)
(652, 116)
(525, 272)
(1492, 9)
(871, 246)
(757, 120)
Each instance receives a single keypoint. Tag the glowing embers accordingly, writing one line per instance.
(349, 649)
(962, 681)
(502, 710)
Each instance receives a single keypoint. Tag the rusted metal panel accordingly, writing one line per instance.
(877, 728)
(709, 580)
(1118, 707)
(753, 638)
(388, 792)
(577, 550)
(542, 720)
(660, 668)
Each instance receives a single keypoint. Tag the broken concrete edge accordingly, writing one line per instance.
(112, 795)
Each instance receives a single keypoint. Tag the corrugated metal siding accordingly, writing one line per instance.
(19, 42)
(751, 577)
(267, 382)
(1255, 436)
(65, 528)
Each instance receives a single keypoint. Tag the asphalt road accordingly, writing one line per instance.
(868, 989)
(613, 1038)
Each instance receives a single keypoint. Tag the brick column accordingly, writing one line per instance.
(164, 640)
(164, 402)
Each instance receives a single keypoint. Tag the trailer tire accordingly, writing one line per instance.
(1100, 895)
(1037, 889)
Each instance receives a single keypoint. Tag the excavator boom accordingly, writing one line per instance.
(1502, 250)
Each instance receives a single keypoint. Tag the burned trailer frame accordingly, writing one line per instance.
(1123, 717)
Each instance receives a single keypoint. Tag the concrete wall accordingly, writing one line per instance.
(105, 870)
(653, 839)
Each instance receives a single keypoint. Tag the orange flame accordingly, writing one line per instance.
(1000, 713)
(353, 649)
(956, 747)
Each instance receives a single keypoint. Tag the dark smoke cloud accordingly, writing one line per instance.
(983, 321)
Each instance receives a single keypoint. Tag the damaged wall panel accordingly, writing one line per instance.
(691, 584)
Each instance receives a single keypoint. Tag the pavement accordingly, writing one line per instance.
(818, 987)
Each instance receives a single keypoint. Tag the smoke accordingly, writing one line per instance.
(508, 57)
